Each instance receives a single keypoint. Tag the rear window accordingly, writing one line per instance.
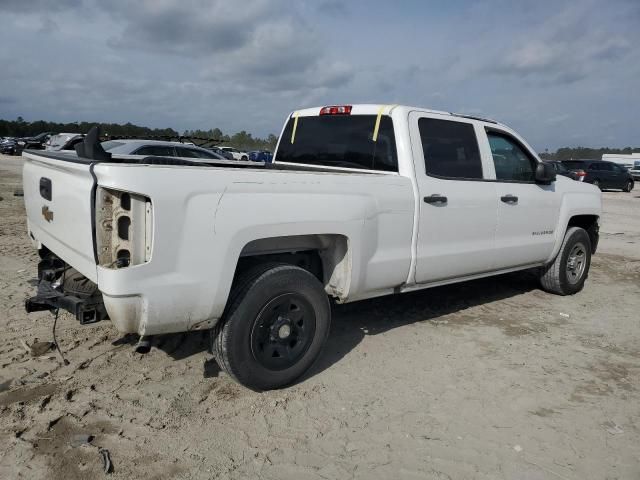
(340, 141)
(573, 165)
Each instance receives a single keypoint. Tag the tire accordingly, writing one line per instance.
(244, 157)
(596, 183)
(274, 327)
(629, 186)
(568, 272)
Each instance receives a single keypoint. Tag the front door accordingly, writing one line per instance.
(528, 212)
(457, 208)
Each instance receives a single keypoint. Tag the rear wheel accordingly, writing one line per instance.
(274, 328)
(596, 183)
(629, 186)
(567, 273)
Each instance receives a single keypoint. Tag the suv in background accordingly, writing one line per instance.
(635, 170)
(562, 169)
(601, 174)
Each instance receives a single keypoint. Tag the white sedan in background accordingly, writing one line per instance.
(158, 148)
(237, 154)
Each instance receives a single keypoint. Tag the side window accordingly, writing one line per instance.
(606, 167)
(155, 151)
(512, 163)
(450, 149)
(185, 152)
(594, 166)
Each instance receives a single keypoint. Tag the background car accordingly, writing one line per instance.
(63, 141)
(261, 156)
(237, 154)
(157, 148)
(601, 174)
(635, 170)
(8, 146)
(36, 142)
(561, 169)
(220, 151)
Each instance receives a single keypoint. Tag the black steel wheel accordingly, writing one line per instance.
(283, 331)
(275, 325)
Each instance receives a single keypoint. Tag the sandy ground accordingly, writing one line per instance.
(487, 379)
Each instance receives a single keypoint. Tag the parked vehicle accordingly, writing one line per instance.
(36, 142)
(360, 201)
(635, 170)
(9, 146)
(146, 148)
(261, 156)
(624, 160)
(63, 141)
(237, 154)
(603, 175)
(561, 169)
(221, 152)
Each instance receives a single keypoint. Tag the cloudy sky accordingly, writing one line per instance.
(559, 72)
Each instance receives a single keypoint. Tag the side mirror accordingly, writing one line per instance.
(545, 173)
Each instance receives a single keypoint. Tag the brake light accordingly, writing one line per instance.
(336, 110)
(581, 174)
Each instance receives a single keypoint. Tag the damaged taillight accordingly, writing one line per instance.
(123, 228)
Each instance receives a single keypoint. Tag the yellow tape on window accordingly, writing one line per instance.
(295, 127)
(376, 128)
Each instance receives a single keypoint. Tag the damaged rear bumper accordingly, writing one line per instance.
(86, 307)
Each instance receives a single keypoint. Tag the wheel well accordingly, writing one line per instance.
(325, 256)
(590, 224)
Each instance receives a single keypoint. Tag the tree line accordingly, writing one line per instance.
(584, 153)
(242, 140)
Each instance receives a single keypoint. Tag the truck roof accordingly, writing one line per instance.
(375, 108)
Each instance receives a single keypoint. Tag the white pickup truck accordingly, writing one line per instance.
(361, 201)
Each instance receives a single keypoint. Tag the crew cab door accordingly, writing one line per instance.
(457, 208)
(528, 212)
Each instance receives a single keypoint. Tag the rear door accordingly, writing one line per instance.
(58, 198)
(528, 212)
(457, 214)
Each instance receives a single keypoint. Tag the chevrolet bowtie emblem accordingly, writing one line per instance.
(47, 214)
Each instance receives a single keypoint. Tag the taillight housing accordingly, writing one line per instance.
(336, 110)
(123, 228)
(581, 174)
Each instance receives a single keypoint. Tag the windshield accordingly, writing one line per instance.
(340, 141)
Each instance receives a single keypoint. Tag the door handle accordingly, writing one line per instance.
(436, 199)
(509, 199)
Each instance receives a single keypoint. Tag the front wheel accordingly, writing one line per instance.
(274, 327)
(567, 273)
(628, 187)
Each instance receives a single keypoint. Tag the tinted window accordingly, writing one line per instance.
(194, 153)
(512, 163)
(573, 165)
(155, 150)
(450, 149)
(607, 167)
(594, 166)
(340, 141)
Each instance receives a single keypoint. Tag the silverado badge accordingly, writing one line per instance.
(47, 214)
